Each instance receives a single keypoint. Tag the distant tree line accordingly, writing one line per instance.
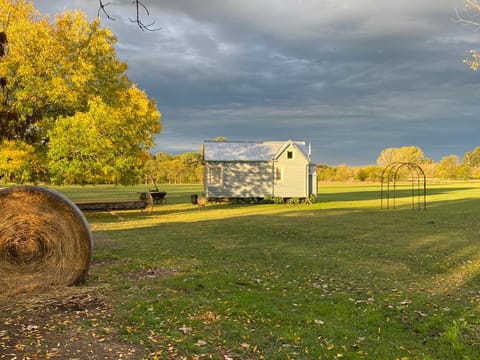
(450, 167)
(186, 168)
(17, 165)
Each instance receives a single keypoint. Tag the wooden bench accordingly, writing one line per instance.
(145, 199)
(108, 205)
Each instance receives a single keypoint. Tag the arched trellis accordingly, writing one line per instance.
(417, 180)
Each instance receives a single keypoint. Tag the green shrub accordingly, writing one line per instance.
(293, 201)
(268, 199)
(278, 200)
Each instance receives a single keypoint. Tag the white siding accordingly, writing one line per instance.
(240, 179)
(294, 183)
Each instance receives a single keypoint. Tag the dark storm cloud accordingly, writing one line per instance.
(352, 76)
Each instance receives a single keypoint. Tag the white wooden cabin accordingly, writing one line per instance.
(239, 169)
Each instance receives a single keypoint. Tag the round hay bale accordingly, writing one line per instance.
(44, 239)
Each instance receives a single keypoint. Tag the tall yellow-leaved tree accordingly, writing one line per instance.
(67, 95)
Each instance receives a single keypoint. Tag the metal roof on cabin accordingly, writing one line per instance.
(247, 151)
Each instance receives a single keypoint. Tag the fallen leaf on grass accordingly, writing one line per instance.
(185, 330)
(201, 343)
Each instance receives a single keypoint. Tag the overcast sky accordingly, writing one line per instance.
(352, 77)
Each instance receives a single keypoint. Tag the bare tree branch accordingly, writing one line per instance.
(102, 7)
(471, 12)
(470, 18)
(138, 20)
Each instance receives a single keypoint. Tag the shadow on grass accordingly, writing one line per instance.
(402, 203)
(400, 192)
(447, 228)
(397, 276)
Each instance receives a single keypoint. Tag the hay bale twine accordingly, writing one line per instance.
(44, 239)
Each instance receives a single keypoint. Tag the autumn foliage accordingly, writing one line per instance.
(68, 100)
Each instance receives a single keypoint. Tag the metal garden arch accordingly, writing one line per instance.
(418, 185)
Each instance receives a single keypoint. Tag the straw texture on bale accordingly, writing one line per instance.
(44, 239)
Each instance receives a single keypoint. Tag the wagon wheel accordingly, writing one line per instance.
(149, 202)
(44, 239)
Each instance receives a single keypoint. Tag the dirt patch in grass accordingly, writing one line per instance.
(102, 240)
(61, 323)
(153, 273)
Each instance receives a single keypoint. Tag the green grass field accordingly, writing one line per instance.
(338, 279)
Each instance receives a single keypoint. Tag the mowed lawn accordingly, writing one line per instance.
(338, 279)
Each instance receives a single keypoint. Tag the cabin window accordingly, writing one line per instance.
(278, 174)
(215, 175)
(289, 154)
